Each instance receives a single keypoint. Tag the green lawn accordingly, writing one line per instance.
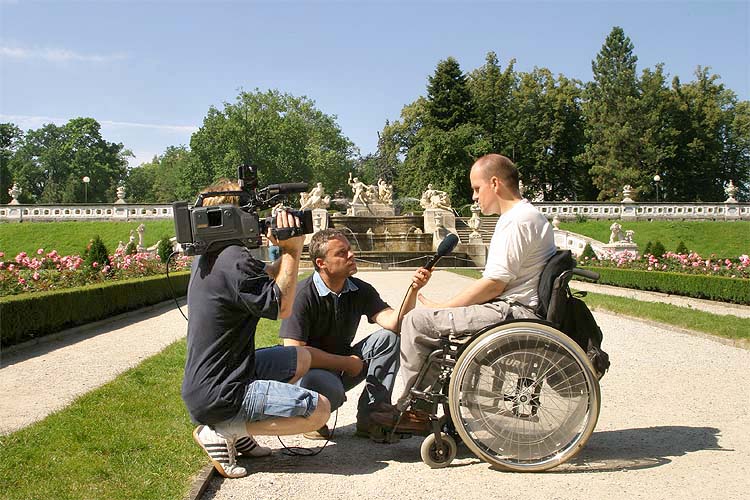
(725, 239)
(70, 238)
(730, 327)
(131, 438)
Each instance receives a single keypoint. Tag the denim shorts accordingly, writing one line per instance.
(269, 396)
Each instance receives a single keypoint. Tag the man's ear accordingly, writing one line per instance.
(495, 182)
(320, 263)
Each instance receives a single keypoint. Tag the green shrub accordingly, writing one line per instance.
(647, 249)
(32, 315)
(96, 254)
(581, 218)
(588, 252)
(131, 248)
(681, 248)
(691, 285)
(164, 249)
(658, 249)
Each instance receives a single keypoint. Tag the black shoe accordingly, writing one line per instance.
(321, 434)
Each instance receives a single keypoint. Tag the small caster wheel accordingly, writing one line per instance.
(436, 457)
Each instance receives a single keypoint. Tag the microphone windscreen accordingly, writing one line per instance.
(447, 245)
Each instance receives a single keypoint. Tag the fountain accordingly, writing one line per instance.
(381, 238)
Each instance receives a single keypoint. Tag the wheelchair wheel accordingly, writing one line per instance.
(438, 457)
(523, 396)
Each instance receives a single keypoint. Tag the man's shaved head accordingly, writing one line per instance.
(498, 166)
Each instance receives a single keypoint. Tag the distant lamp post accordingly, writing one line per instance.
(86, 181)
(657, 180)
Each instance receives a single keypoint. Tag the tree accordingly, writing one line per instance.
(51, 162)
(10, 138)
(286, 136)
(492, 90)
(448, 98)
(611, 109)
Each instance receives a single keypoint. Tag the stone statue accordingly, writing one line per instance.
(616, 234)
(474, 221)
(14, 193)
(556, 222)
(629, 236)
(359, 189)
(434, 198)
(385, 192)
(120, 194)
(141, 229)
(132, 236)
(730, 191)
(316, 198)
(627, 190)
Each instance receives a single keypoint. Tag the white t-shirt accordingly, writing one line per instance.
(521, 245)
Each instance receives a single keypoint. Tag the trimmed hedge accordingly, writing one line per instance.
(691, 285)
(27, 316)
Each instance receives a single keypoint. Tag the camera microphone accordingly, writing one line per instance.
(446, 246)
(285, 188)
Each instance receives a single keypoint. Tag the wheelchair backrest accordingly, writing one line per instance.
(553, 286)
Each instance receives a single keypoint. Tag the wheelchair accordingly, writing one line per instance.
(521, 394)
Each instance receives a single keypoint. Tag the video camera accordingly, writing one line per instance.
(204, 229)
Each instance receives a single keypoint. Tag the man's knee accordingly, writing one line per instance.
(322, 412)
(327, 384)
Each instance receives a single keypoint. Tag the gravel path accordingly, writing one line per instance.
(674, 423)
(674, 420)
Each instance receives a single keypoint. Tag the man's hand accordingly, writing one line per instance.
(291, 246)
(355, 365)
(421, 277)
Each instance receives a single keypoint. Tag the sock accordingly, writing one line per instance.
(232, 430)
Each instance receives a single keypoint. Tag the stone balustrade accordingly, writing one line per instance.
(563, 210)
(81, 211)
(645, 211)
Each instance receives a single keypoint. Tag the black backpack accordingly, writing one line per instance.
(569, 313)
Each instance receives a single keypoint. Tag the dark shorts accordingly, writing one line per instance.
(269, 395)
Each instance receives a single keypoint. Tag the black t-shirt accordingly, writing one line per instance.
(330, 322)
(227, 295)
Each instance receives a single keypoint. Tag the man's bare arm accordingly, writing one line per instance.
(351, 365)
(479, 292)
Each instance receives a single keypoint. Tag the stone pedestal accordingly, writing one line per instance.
(320, 222)
(476, 250)
(382, 210)
(435, 218)
(374, 209)
(620, 247)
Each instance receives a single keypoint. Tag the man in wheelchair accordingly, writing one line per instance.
(521, 245)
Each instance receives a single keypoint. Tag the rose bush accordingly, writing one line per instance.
(51, 271)
(690, 263)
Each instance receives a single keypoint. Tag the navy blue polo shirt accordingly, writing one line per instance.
(329, 321)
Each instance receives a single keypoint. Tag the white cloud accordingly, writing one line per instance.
(26, 121)
(56, 55)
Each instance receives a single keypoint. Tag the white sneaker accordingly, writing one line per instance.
(247, 446)
(221, 451)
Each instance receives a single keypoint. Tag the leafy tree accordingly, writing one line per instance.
(286, 136)
(648, 249)
(588, 252)
(492, 92)
(681, 248)
(658, 249)
(51, 162)
(162, 179)
(10, 138)
(164, 248)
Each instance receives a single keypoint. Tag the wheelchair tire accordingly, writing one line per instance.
(438, 458)
(524, 397)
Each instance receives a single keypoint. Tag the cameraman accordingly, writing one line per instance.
(229, 388)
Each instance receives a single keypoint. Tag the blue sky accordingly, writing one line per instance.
(149, 70)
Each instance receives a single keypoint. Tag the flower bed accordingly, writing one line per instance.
(691, 263)
(47, 271)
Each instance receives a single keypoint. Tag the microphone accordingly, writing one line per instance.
(286, 188)
(446, 246)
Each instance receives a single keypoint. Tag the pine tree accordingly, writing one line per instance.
(448, 98)
(613, 117)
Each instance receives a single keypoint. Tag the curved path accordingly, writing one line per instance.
(674, 420)
(674, 424)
